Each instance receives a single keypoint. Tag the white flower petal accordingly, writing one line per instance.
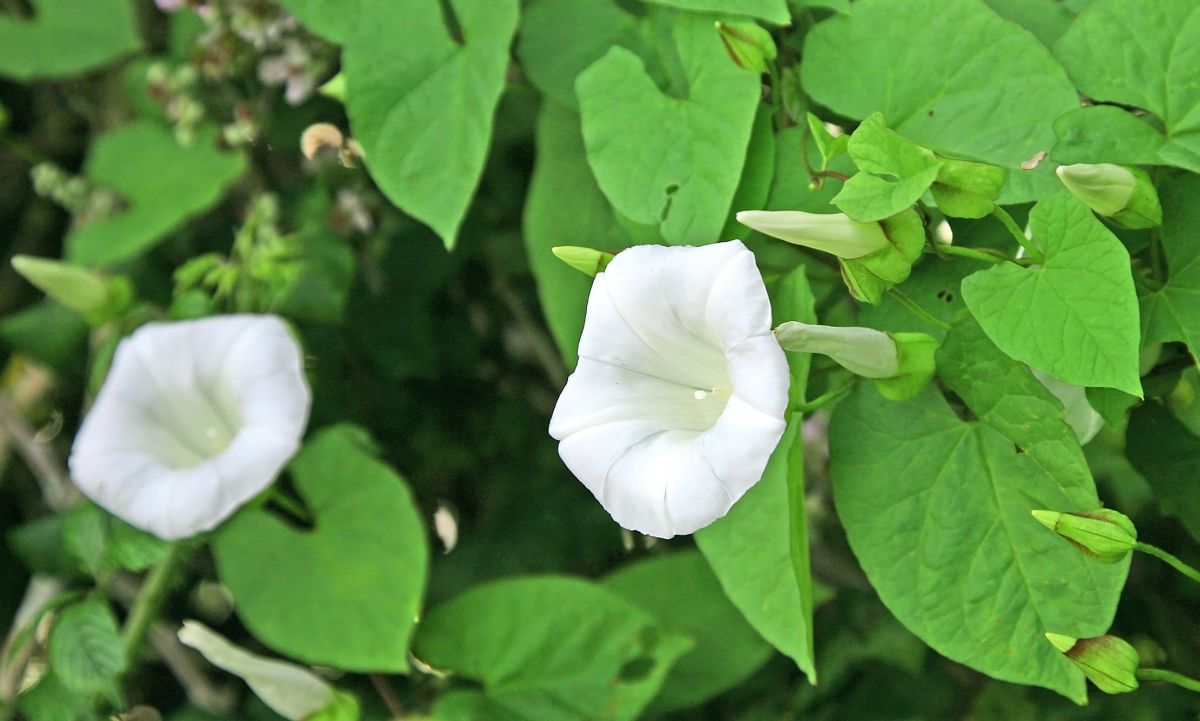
(194, 419)
(679, 396)
(291, 690)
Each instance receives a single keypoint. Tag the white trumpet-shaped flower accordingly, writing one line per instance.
(679, 396)
(291, 691)
(194, 419)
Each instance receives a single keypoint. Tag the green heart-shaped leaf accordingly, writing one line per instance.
(1075, 316)
(347, 592)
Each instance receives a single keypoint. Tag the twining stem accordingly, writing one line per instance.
(150, 599)
(1171, 560)
(1007, 221)
(917, 310)
(980, 255)
(1161, 674)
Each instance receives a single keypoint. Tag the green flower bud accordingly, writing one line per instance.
(966, 189)
(749, 45)
(1125, 195)
(866, 352)
(900, 364)
(1103, 534)
(585, 260)
(95, 297)
(834, 233)
(1109, 662)
(870, 276)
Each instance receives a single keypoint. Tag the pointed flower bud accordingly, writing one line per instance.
(291, 690)
(95, 297)
(586, 260)
(835, 233)
(900, 364)
(1108, 662)
(1103, 534)
(749, 45)
(1124, 195)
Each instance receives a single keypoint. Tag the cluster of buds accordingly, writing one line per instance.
(175, 89)
(76, 194)
(873, 256)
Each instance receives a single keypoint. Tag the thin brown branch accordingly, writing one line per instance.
(50, 473)
(380, 682)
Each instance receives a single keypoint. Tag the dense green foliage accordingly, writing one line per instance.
(389, 176)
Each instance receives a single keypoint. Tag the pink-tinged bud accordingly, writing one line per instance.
(1109, 662)
(1103, 534)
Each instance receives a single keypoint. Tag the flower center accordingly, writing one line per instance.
(197, 426)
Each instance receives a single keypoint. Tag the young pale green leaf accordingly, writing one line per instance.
(163, 182)
(759, 551)
(102, 543)
(583, 216)
(727, 649)
(1172, 312)
(827, 143)
(892, 57)
(582, 652)
(937, 510)
(774, 11)
(346, 592)
(668, 160)
(407, 93)
(1157, 75)
(1082, 299)
(896, 172)
(66, 37)
(1167, 454)
(331, 19)
(86, 654)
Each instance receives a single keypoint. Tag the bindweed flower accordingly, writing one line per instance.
(290, 690)
(681, 388)
(1109, 662)
(1124, 195)
(900, 364)
(1104, 534)
(194, 419)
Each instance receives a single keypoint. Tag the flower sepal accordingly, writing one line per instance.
(1109, 662)
(344, 707)
(1104, 534)
(1123, 194)
(96, 297)
(916, 363)
(967, 189)
(870, 276)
